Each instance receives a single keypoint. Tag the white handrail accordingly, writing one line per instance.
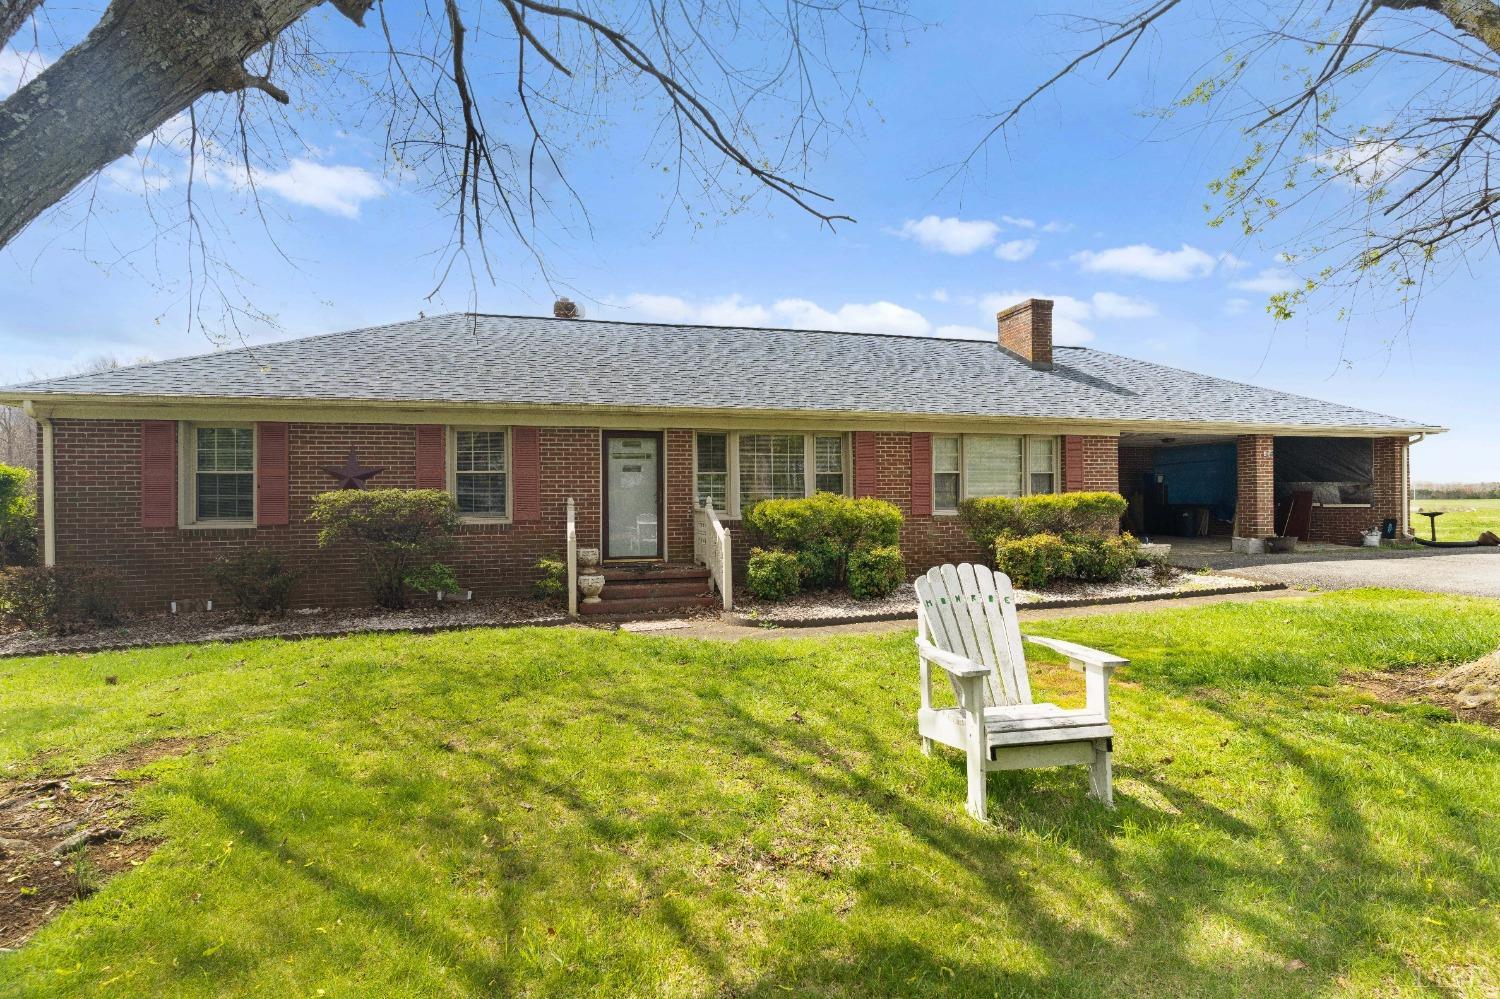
(711, 547)
(572, 559)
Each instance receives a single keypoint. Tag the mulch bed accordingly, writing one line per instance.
(1470, 691)
(62, 837)
(222, 626)
(828, 608)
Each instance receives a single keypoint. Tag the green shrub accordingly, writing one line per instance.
(257, 582)
(818, 566)
(1103, 560)
(1095, 514)
(552, 579)
(1034, 561)
(772, 575)
(399, 534)
(17, 516)
(828, 528)
(59, 599)
(875, 572)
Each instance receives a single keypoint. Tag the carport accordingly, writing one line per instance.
(1249, 487)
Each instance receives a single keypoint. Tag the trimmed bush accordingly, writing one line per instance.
(828, 528)
(552, 579)
(257, 582)
(1104, 560)
(772, 575)
(1034, 561)
(875, 572)
(17, 516)
(399, 533)
(1047, 513)
(59, 599)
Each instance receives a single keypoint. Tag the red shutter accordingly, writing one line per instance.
(1073, 464)
(921, 475)
(526, 473)
(432, 458)
(272, 498)
(158, 473)
(866, 464)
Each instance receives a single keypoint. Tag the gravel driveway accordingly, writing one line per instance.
(1472, 571)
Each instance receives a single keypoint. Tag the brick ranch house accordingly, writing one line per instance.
(156, 470)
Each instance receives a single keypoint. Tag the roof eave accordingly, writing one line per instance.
(53, 404)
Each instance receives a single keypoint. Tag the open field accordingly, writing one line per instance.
(1462, 520)
(575, 812)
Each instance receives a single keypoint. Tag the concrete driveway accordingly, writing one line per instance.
(1471, 571)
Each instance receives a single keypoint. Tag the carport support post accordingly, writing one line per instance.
(1255, 506)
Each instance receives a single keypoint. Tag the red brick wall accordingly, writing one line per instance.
(1135, 462)
(679, 494)
(1255, 506)
(98, 501)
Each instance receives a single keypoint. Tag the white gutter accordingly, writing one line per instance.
(49, 493)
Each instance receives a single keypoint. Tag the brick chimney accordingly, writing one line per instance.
(565, 308)
(1026, 331)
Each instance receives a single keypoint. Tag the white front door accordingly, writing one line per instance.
(632, 495)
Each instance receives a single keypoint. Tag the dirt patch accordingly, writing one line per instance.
(62, 837)
(1470, 691)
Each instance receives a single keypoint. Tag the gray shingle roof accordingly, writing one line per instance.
(519, 360)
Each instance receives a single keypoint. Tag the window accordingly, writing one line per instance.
(945, 474)
(480, 473)
(969, 466)
(828, 463)
(992, 466)
(772, 466)
(1041, 464)
(223, 465)
(713, 470)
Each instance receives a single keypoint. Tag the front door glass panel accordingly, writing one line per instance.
(631, 469)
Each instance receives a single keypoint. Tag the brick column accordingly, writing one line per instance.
(1255, 509)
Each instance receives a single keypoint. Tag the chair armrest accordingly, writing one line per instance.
(1079, 653)
(953, 663)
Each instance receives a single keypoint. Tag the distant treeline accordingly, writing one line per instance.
(1456, 490)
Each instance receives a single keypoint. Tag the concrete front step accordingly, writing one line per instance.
(639, 606)
(667, 589)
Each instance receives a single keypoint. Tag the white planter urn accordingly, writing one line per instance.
(591, 585)
(588, 559)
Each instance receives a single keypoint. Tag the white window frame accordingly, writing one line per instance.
(963, 485)
(450, 453)
(809, 462)
(187, 479)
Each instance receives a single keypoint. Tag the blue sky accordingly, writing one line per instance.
(1087, 201)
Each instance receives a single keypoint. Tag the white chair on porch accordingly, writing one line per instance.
(966, 625)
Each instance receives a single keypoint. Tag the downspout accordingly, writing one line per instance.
(1406, 490)
(49, 493)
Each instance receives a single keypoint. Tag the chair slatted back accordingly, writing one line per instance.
(970, 610)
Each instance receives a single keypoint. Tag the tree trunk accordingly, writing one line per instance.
(145, 61)
(13, 14)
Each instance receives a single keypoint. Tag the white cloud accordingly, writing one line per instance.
(794, 313)
(137, 176)
(337, 190)
(1369, 164)
(1016, 249)
(1143, 261)
(873, 317)
(18, 67)
(1019, 223)
(960, 332)
(950, 235)
(1269, 281)
(1057, 227)
(939, 295)
(1108, 305)
(1236, 306)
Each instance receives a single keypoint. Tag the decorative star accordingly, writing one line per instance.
(353, 475)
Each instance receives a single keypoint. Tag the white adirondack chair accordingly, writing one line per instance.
(966, 624)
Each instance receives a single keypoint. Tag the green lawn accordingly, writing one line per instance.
(1462, 520)
(570, 812)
